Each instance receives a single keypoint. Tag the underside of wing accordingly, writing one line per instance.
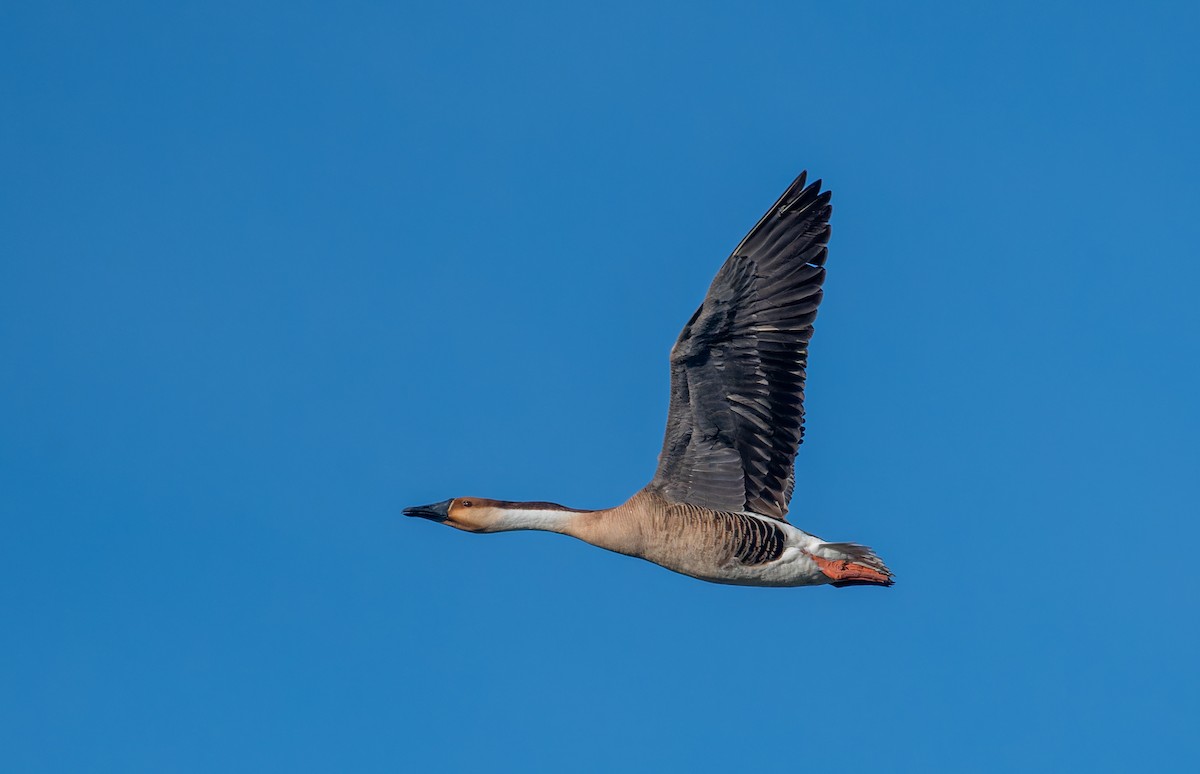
(736, 416)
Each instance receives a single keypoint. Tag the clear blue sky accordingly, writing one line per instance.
(269, 274)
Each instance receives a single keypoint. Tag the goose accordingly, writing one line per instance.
(716, 508)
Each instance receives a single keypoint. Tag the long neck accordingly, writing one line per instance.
(617, 529)
(549, 517)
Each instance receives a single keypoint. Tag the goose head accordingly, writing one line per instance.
(470, 514)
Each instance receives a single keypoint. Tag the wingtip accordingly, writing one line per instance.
(799, 187)
(800, 198)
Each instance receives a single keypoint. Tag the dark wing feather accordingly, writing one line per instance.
(737, 371)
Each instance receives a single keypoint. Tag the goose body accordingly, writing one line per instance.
(717, 506)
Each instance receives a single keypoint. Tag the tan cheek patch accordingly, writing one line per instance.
(465, 526)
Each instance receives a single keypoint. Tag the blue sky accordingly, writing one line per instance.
(269, 274)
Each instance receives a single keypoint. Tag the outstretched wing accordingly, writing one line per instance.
(737, 371)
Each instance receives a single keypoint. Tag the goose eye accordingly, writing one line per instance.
(465, 503)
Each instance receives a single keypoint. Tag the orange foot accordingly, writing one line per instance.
(844, 572)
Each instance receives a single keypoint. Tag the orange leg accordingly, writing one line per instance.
(845, 570)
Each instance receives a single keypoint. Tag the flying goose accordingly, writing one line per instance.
(717, 506)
